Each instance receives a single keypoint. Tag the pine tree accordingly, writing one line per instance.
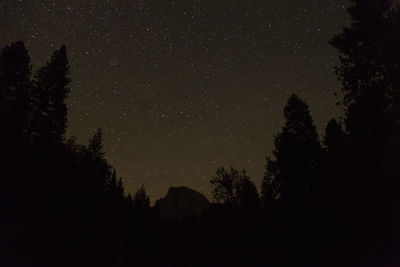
(103, 176)
(116, 187)
(95, 146)
(50, 92)
(120, 187)
(269, 188)
(334, 136)
(140, 199)
(296, 166)
(112, 184)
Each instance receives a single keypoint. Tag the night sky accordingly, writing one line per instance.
(183, 87)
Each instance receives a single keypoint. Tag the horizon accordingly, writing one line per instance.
(175, 102)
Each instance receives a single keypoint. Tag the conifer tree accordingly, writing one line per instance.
(296, 164)
(115, 186)
(334, 135)
(95, 146)
(140, 199)
(50, 92)
(269, 188)
(103, 177)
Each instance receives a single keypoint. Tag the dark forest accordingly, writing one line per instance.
(329, 200)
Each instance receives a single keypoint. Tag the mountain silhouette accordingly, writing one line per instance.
(181, 203)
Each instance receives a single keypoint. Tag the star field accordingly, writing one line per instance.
(183, 87)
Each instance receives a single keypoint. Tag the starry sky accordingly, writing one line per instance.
(182, 87)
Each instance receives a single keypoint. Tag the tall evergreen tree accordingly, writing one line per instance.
(296, 166)
(51, 89)
(52, 194)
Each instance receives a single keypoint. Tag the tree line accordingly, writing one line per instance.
(330, 201)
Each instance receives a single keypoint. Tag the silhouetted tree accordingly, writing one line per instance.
(140, 199)
(246, 193)
(334, 135)
(296, 166)
(95, 146)
(100, 170)
(369, 69)
(50, 91)
(234, 188)
(120, 187)
(57, 198)
(269, 186)
(112, 183)
(115, 186)
(369, 165)
(223, 183)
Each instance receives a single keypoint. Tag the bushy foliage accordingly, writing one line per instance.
(234, 188)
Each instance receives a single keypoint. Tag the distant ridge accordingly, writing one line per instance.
(181, 203)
